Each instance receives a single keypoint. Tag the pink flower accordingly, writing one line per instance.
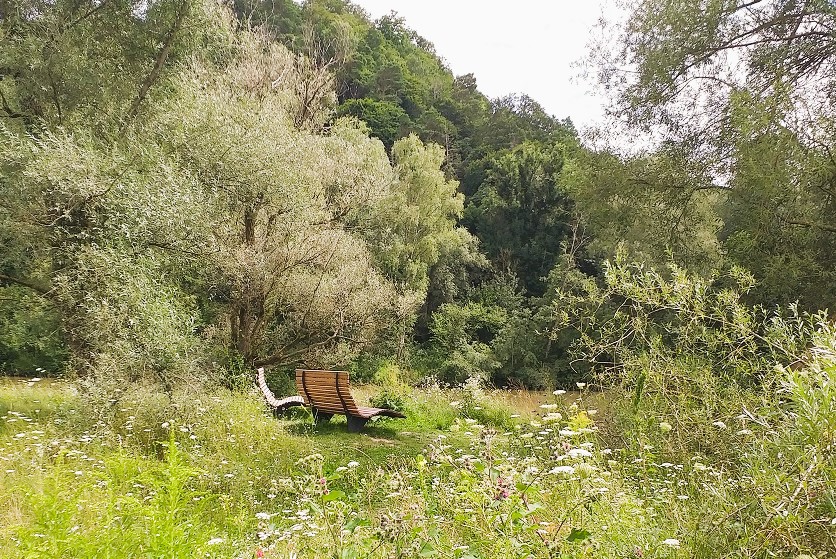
(259, 552)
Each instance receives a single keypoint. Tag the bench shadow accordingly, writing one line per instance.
(303, 424)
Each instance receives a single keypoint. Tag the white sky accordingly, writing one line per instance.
(524, 46)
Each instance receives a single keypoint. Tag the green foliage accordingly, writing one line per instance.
(654, 207)
(460, 338)
(30, 334)
(418, 218)
(739, 94)
(521, 214)
(387, 121)
(227, 222)
(644, 316)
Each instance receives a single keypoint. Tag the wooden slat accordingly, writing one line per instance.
(317, 397)
(326, 389)
(330, 409)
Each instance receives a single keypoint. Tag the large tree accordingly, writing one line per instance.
(745, 89)
(219, 223)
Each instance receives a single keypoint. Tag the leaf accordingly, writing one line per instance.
(427, 550)
(355, 523)
(333, 496)
(577, 535)
(533, 507)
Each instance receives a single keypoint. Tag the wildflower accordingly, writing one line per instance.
(259, 552)
(262, 515)
(665, 427)
(559, 392)
(554, 416)
(719, 424)
(579, 453)
(165, 425)
(526, 435)
(744, 432)
(580, 385)
(341, 469)
(353, 464)
(562, 470)
(671, 542)
(215, 541)
(549, 406)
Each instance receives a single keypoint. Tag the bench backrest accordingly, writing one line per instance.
(327, 391)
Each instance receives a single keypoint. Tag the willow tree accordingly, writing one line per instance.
(218, 224)
(746, 89)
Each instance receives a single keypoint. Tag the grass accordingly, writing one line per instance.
(470, 474)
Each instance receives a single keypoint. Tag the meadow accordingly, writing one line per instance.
(472, 473)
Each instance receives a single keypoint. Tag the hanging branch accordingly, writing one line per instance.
(160, 61)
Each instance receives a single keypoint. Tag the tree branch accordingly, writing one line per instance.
(160, 61)
(812, 225)
(41, 290)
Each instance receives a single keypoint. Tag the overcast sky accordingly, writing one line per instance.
(524, 46)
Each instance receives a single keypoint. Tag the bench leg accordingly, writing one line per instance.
(320, 417)
(355, 424)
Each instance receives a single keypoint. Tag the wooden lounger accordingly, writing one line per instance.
(275, 404)
(328, 393)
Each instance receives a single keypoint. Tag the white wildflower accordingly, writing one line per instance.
(559, 392)
(580, 453)
(215, 541)
(671, 542)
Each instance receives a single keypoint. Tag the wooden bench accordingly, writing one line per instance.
(328, 393)
(277, 405)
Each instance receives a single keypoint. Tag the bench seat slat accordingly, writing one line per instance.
(329, 393)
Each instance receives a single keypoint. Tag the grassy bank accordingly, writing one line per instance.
(470, 474)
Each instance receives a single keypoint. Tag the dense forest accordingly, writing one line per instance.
(612, 343)
(299, 184)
